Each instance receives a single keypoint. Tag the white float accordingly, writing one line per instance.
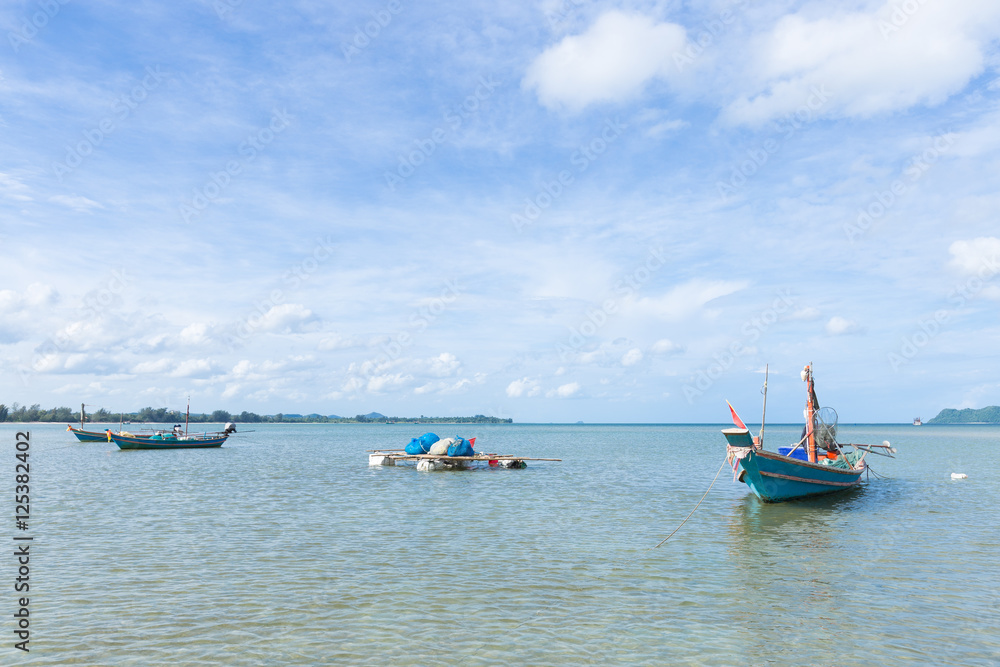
(380, 460)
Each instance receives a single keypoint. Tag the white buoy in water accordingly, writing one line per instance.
(959, 475)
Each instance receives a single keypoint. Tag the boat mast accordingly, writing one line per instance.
(188, 417)
(810, 392)
(763, 413)
(83, 416)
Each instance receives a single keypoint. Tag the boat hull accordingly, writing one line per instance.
(126, 442)
(776, 478)
(88, 436)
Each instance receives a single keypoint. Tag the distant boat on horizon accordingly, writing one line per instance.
(917, 422)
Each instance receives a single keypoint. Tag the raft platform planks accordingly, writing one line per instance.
(379, 457)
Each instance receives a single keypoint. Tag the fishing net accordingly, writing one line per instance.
(825, 427)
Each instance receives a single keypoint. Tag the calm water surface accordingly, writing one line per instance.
(285, 548)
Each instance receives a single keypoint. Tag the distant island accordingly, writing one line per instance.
(990, 415)
(35, 413)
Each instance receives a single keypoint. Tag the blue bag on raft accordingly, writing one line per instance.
(461, 448)
(421, 445)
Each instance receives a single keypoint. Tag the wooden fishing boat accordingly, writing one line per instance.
(88, 436)
(167, 440)
(816, 465)
(172, 439)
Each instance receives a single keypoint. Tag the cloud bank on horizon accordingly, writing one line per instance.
(555, 211)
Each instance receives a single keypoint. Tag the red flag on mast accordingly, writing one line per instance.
(736, 417)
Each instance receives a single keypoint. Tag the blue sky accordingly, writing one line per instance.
(549, 211)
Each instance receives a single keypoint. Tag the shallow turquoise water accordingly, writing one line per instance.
(284, 547)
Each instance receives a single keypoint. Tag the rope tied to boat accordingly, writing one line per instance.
(724, 462)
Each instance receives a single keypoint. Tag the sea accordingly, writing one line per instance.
(283, 547)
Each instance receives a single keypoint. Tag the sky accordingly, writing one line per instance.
(549, 211)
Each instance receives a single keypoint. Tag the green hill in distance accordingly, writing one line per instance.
(990, 415)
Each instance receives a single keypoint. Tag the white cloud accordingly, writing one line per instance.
(76, 203)
(243, 368)
(687, 299)
(380, 383)
(194, 334)
(444, 365)
(288, 318)
(444, 387)
(35, 294)
(867, 63)
(194, 368)
(523, 387)
(611, 62)
(666, 346)
(38, 294)
(11, 187)
(154, 366)
(565, 390)
(338, 342)
(841, 326)
(632, 357)
(981, 255)
(806, 314)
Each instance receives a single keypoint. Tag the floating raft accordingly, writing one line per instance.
(390, 457)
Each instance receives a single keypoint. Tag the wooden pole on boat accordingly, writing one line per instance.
(811, 447)
(188, 417)
(83, 416)
(763, 413)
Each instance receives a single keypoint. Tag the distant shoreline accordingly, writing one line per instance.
(508, 423)
(988, 415)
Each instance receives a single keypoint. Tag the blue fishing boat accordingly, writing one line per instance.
(816, 465)
(175, 439)
(167, 441)
(88, 436)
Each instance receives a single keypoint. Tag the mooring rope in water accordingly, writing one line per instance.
(724, 462)
(869, 469)
(537, 615)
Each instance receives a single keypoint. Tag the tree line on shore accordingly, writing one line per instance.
(35, 413)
